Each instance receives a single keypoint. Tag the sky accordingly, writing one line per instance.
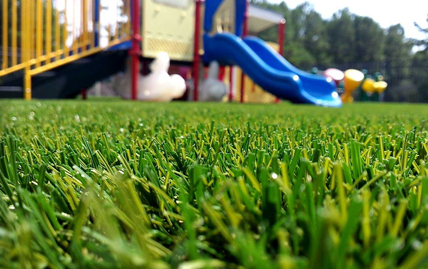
(386, 13)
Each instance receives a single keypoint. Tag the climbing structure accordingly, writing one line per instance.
(56, 48)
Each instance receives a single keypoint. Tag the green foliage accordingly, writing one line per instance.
(316, 38)
(341, 34)
(115, 184)
(296, 53)
(420, 59)
(419, 75)
(397, 53)
(397, 47)
(342, 40)
(369, 40)
(423, 42)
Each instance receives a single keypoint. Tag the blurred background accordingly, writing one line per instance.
(390, 38)
(379, 36)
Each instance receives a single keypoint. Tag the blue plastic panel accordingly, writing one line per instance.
(240, 6)
(126, 45)
(211, 7)
(97, 22)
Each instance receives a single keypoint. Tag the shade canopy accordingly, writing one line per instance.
(261, 19)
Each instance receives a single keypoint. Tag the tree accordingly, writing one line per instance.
(420, 65)
(423, 42)
(299, 56)
(369, 40)
(397, 53)
(341, 34)
(316, 38)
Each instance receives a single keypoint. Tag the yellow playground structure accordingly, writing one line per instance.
(57, 48)
(41, 35)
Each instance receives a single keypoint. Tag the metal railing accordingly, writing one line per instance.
(39, 35)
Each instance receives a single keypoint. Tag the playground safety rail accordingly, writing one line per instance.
(39, 35)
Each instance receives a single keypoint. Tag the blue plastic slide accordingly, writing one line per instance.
(270, 70)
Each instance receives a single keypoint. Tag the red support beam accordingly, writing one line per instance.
(281, 36)
(84, 94)
(222, 73)
(231, 83)
(281, 40)
(135, 50)
(244, 34)
(196, 43)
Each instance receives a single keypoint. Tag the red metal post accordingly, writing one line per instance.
(222, 73)
(231, 83)
(196, 42)
(281, 38)
(135, 50)
(244, 33)
(84, 94)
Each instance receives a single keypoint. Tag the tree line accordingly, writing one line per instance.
(347, 40)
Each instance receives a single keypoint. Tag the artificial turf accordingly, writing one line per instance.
(115, 184)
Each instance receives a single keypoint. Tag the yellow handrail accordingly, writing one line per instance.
(54, 33)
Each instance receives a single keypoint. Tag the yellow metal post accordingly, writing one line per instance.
(75, 40)
(65, 32)
(27, 84)
(48, 29)
(116, 32)
(5, 35)
(23, 31)
(14, 32)
(57, 33)
(85, 25)
(29, 29)
(39, 32)
(31, 40)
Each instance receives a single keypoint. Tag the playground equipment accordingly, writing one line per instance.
(159, 85)
(353, 79)
(83, 42)
(212, 89)
(156, 86)
(168, 25)
(335, 74)
(264, 65)
(55, 49)
(380, 86)
(369, 87)
(372, 87)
